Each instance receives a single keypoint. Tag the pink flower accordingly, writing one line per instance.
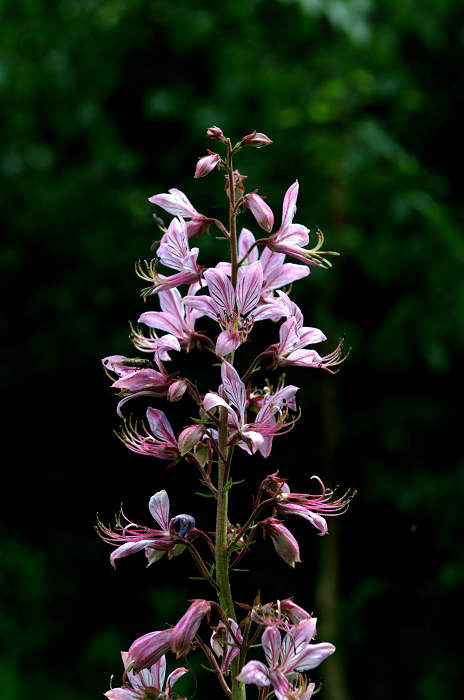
(174, 317)
(173, 252)
(308, 506)
(276, 273)
(148, 683)
(177, 204)
(285, 661)
(183, 633)
(226, 643)
(286, 545)
(289, 351)
(162, 444)
(133, 538)
(284, 615)
(257, 435)
(228, 306)
(291, 238)
(138, 377)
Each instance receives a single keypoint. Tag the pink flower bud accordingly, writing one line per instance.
(284, 542)
(189, 437)
(207, 164)
(256, 140)
(183, 633)
(148, 649)
(214, 132)
(260, 210)
(178, 389)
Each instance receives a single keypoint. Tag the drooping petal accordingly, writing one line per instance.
(173, 678)
(254, 672)
(129, 548)
(227, 342)
(121, 694)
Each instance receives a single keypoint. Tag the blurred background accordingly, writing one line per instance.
(104, 103)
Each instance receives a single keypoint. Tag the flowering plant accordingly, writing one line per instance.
(235, 294)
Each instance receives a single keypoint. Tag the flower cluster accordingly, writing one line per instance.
(252, 286)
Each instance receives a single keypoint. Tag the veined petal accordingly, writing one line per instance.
(282, 274)
(158, 672)
(159, 508)
(310, 335)
(162, 320)
(314, 655)
(255, 438)
(173, 678)
(301, 358)
(171, 302)
(129, 548)
(245, 241)
(160, 426)
(175, 203)
(271, 642)
(221, 290)
(233, 387)
(204, 304)
(296, 643)
(249, 285)
(254, 672)
(226, 343)
(289, 206)
(120, 694)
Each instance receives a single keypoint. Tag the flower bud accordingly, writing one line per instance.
(189, 437)
(183, 633)
(284, 542)
(260, 210)
(148, 649)
(256, 140)
(214, 132)
(207, 164)
(178, 389)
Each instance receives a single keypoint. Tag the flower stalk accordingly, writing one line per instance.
(246, 289)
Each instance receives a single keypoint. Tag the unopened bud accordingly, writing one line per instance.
(256, 140)
(184, 632)
(260, 211)
(178, 389)
(207, 164)
(214, 132)
(189, 437)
